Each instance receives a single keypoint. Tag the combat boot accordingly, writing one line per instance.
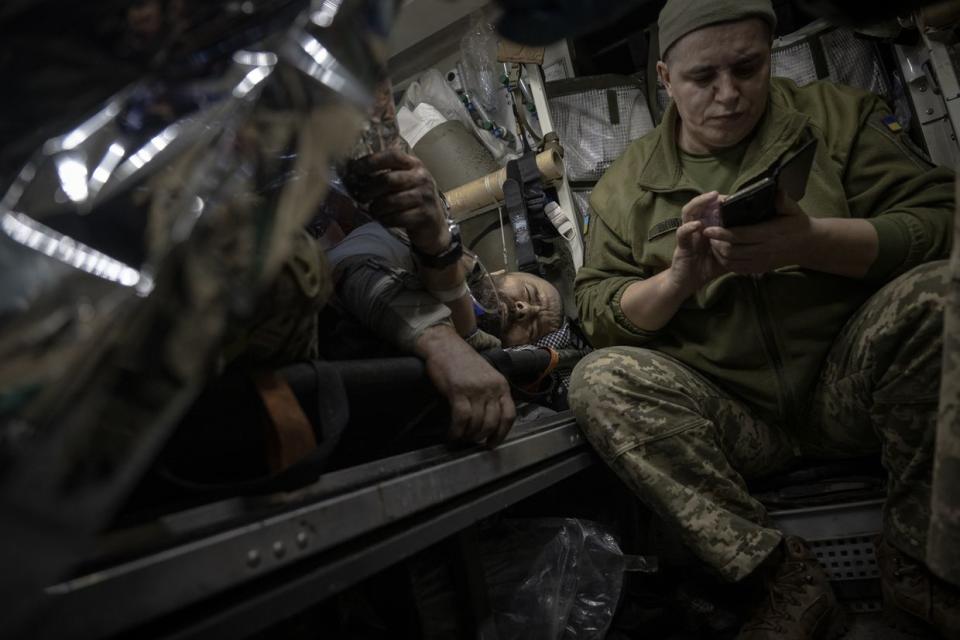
(798, 602)
(915, 600)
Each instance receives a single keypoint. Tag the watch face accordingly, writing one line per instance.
(448, 256)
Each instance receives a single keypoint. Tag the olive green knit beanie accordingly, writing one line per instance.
(680, 17)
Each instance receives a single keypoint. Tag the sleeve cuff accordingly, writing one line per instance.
(897, 242)
(621, 318)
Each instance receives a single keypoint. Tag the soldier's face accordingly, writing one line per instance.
(719, 78)
(532, 307)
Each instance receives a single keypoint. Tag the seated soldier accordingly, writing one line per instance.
(415, 289)
(732, 353)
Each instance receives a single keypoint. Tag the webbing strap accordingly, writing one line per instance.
(532, 183)
(532, 199)
(517, 210)
(291, 436)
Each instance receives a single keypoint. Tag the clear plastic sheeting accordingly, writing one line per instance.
(846, 58)
(478, 52)
(596, 119)
(431, 88)
(140, 216)
(553, 579)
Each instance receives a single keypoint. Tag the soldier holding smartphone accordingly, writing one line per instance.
(730, 352)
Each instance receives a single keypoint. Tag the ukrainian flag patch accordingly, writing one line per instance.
(892, 124)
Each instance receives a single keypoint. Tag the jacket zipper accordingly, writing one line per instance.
(785, 399)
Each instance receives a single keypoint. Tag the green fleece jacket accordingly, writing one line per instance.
(764, 338)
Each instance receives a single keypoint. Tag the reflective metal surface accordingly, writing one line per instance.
(157, 159)
(317, 529)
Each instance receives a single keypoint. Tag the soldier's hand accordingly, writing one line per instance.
(400, 192)
(481, 408)
(763, 247)
(694, 264)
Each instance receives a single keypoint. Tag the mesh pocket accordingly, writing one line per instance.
(795, 62)
(854, 62)
(846, 59)
(596, 119)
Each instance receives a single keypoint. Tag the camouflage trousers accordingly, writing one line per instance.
(685, 447)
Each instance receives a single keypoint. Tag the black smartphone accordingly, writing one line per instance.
(792, 174)
(752, 204)
(755, 202)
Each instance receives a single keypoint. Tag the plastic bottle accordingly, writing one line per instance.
(565, 228)
(559, 219)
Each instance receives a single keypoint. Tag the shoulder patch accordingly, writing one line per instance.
(889, 126)
(892, 123)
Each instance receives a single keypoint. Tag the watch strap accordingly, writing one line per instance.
(445, 258)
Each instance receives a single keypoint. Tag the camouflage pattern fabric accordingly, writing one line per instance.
(682, 445)
(878, 392)
(283, 328)
(943, 552)
(685, 446)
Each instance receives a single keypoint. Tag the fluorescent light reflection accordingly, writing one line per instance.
(323, 17)
(255, 58)
(104, 170)
(73, 178)
(38, 237)
(157, 144)
(13, 194)
(324, 65)
(254, 77)
(80, 135)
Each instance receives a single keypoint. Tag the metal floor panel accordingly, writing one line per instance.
(340, 508)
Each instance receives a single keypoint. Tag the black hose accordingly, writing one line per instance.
(381, 376)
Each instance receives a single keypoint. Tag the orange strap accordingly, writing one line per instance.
(554, 361)
(290, 434)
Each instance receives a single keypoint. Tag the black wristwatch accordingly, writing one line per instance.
(445, 258)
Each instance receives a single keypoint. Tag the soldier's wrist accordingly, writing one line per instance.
(676, 286)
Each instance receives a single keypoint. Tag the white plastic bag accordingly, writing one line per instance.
(431, 88)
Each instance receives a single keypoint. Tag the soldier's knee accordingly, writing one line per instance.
(627, 377)
(590, 379)
(911, 306)
(926, 285)
(626, 396)
(604, 370)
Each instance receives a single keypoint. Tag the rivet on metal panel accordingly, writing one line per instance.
(929, 111)
(922, 88)
(279, 549)
(302, 539)
(253, 558)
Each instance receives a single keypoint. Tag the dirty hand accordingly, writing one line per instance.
(400, 192)
(481, 408)
(763, 247)
(694, 264)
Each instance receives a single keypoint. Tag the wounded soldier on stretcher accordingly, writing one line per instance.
(407, 280)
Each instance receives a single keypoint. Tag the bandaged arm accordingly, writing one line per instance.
(374, 283)
(377, 296)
